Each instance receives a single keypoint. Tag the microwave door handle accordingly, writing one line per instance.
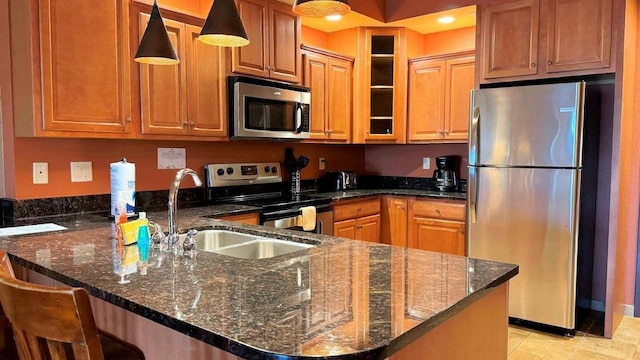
(298, 117)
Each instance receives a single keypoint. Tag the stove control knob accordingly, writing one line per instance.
(220, 172)
(229, 170)
(274, 169)
(267, 168)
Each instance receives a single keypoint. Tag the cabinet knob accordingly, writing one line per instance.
(550, 62)
(185, 123)
(127, 120)
(329, 131)
(533, 65)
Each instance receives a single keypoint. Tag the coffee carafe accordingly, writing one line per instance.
(445, 174)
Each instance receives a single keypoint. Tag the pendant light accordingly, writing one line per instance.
(155, 47)
(223, 26)
(321, 8)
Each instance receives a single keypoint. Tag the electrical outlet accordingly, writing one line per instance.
(323, 163)
(81, 171)
(40, 173)
(426, 163)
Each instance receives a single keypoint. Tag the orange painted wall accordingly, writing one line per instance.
(406, 160)
(60, 152)
(450, 41)
(314, 37)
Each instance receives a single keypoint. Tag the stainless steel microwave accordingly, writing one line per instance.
(262, 109)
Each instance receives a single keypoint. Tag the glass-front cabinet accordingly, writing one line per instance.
(381, 85)
(382, 96)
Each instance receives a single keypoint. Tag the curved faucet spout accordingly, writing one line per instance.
(173, 202)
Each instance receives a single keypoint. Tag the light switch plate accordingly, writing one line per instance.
(426, 163)
(81, 171)
(323, 163)
(40, 173)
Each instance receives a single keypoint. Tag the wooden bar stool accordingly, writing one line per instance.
(7, 344)
(54, 322)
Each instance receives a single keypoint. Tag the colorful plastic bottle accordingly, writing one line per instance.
(144, 238)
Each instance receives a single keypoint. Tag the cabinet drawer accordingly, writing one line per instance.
(356, 209)
(436, 209)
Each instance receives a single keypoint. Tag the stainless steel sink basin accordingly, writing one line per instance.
(241, 245)
(211, 240)
(262, 248)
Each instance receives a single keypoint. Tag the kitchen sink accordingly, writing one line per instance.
(244, 246)
(211, 240)
(262, 248)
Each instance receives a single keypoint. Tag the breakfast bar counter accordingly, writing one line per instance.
(336, 300)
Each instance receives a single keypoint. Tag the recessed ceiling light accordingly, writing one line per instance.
(336, 17)
(446, 19)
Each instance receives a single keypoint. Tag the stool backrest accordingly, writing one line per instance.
(48, 320)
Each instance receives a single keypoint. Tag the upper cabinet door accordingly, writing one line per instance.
(579, 34)
(162, 88)
(426, 100)
(315, 73)
(510, 39)
(206, 87)
(339, 83)
(252, 59)
(85, 66)
(284, 43)
(459, 82)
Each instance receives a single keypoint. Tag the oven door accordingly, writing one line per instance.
(287, 219)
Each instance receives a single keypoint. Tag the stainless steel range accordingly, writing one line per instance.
(261, 185)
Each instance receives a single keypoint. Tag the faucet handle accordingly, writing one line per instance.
(189, 244)
(158, 236)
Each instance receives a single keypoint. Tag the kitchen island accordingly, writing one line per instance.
(339, 299)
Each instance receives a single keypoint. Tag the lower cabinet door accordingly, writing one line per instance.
(345, 229)
(368, 228)
(437, 235)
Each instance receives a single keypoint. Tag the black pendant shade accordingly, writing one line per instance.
(321, 8)
(155, 46)
(223, 26)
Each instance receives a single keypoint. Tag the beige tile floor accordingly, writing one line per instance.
(526, 344)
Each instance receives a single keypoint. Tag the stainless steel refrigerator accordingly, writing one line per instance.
(525, 168)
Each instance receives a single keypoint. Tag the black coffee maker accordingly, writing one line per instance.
(445, 175)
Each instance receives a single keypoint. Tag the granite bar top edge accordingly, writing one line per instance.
(248, 351)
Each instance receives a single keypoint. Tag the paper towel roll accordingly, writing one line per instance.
(123, 186)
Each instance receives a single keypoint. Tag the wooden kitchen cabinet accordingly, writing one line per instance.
(531, 39)
(579, 34)
(394, 220)
(437, 225)
(188, 98)
(274, 35)
(357, 219)
(439, 90)
(71, 68)
(382, 89)
(329, 76)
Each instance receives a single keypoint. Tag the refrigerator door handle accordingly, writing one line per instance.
(473, 195)
(474, 136)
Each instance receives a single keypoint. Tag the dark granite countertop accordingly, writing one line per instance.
(303, 305)
(358, 193)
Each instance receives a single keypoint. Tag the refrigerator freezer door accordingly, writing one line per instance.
(529, 217)
(537, 125)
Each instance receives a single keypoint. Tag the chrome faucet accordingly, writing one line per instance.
(173, 203)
